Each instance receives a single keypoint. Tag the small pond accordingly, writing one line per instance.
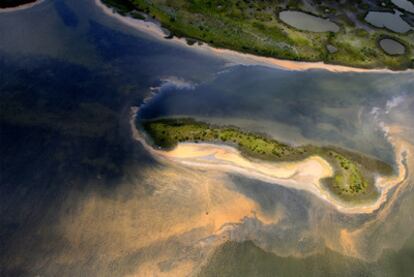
(392, 47)
(389, 20)
(331, 49)
(404, 4)
(307, 22)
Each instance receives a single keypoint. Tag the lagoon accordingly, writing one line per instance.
(404, 4)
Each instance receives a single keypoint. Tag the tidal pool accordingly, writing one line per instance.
(307, 22)
(392, 47)
(404, 4)
(332, 49)
(391, 21)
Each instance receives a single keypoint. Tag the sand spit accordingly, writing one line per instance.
(228, 159)
(21, 7)
(233, 57)
(303, 175)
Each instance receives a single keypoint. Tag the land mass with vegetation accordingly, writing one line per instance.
(354, 173)
(252, 26)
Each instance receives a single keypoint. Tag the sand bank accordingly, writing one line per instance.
(21, 7)
(233, 57)
(302, 175)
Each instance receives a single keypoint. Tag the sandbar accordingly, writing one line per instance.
(21, 7)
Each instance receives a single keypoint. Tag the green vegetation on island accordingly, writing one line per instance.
(353, 178)
(255, 27)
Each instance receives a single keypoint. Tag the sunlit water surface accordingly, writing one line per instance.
(79, 196)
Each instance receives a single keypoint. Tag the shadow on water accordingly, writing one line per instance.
(68, 17)
(61, 129)
(65, 124)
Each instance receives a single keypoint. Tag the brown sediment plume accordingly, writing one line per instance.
(186, 207)
(139, 224)
(352, 241)
(347, 242)
(400, 182)
(233, 57)
(172, 228)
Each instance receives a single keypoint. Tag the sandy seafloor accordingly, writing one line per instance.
(79, 196)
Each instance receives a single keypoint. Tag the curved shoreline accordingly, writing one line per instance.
(234, 57)
(21, 7)
(302, 175)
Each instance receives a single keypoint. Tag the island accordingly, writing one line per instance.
(354, 174)
(349, 33)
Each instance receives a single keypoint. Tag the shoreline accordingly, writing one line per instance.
(302, 175)
(21, 7)
(232, 159)
(234, 57)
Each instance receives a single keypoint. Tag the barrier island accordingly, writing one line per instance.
(354, 173)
